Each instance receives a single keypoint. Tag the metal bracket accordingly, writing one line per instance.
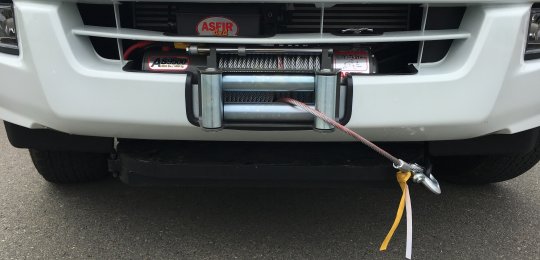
(211, 59)
(211, 100)
(326, 59)
(326, 97)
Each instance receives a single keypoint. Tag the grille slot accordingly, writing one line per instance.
(155, 16)
(304, 18)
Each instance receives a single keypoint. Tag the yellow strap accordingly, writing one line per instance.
(402, 178)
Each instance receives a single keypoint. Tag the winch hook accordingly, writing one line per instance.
(420, 175)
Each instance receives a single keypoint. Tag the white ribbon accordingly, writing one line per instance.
(408, 209)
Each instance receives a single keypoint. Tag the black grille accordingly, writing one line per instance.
(155, 16)
(290, 18)
(304, 18)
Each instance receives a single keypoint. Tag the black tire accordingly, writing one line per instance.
(70, 167)
(485, 169)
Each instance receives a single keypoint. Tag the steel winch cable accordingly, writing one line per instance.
(406, 171)
(343, 128)
(270, 62)
(419, 174)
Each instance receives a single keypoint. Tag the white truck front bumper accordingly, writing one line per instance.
(483, 86)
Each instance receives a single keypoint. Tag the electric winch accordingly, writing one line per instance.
(286, 87)
(239, 87)
(247, 87)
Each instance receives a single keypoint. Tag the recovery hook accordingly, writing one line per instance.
(420, 175)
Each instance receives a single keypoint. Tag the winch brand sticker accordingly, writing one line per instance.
(167, 63)
(352, 61)
(217, 26)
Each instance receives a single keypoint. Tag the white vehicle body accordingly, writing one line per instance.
(482, 86)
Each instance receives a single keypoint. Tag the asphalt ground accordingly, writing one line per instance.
(109, 220)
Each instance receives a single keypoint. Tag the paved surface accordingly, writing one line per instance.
(109, 220)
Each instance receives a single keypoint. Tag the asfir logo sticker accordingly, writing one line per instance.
(217, 26)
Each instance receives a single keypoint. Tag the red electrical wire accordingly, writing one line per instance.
(134, 47)
(341, 127)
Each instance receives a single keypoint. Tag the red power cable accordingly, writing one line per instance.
(134, 47)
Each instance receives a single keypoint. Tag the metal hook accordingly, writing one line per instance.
(429, 182)
(420, 175)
